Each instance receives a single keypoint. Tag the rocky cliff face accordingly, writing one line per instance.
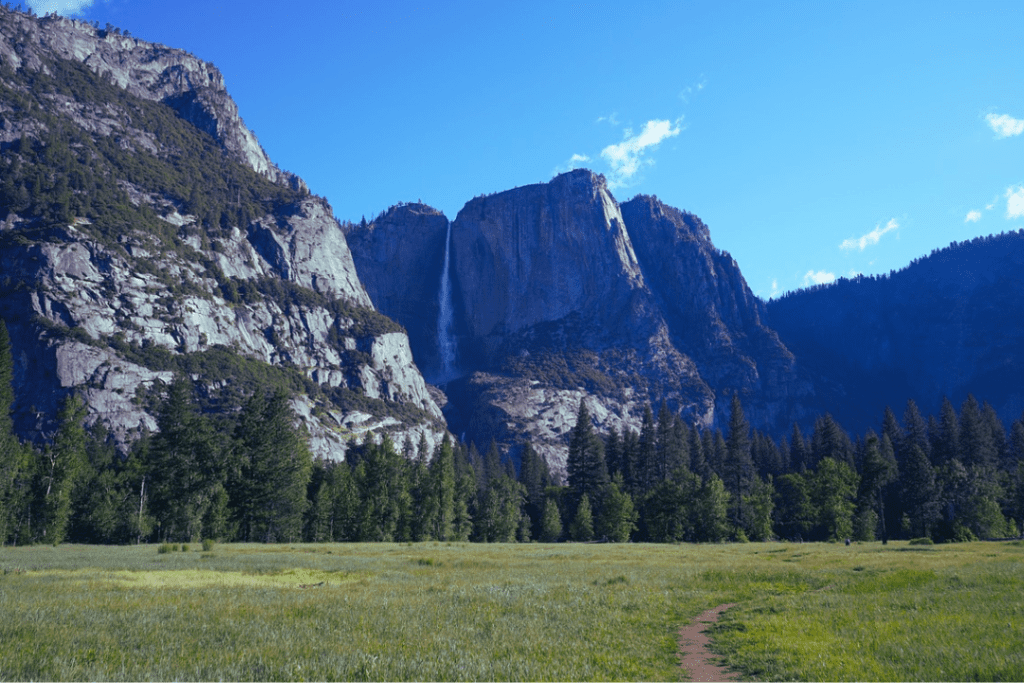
(193, 88)
(713, 316)
(563, 295)
(166, 255)
(398, 257)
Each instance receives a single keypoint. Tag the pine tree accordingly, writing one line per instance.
(738, 468)
(442, 492)
(833, 491)
(977, 447)
(647, 454)
(617, 519)
(12, 456)
(877, 471)
(585, 467)
(535, 476)
(551, 526)
(275, 465)
(799, 456)
(830, 441)
(915, 431)
(760, 505)
(920, 497)
(63, 466)
(186, 467)
(945, 439)
(582, 527)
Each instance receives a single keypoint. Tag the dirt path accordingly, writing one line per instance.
(695, 653)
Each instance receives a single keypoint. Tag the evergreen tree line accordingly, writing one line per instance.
(250, 477)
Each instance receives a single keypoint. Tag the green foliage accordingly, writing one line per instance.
(62, 470)
(582, 527)
(274, 464)
(617, 518)
(551, 523)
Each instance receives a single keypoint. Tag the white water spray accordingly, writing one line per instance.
(445, 335)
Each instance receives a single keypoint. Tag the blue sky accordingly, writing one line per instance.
(816, 140)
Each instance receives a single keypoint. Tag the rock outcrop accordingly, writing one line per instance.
(157, 274)
(398, 257)
(561, 295)
(192, 87)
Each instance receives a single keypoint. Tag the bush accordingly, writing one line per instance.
(922, 541)
(208, 544)
(166, 548)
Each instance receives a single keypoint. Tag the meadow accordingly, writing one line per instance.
(509, 612)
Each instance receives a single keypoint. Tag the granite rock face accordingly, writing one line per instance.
(563, 295)
(112, 311)
(191, 86)
(398, 257)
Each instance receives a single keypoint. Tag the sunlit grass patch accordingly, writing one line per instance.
(196, 578)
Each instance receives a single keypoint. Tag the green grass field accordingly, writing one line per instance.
(509, 612)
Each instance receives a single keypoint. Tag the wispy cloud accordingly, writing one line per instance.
(1015, 201)
(820, 277)
(871, 238)
(65, 7)
(684, 95)
(575, 161)
(973, 217)
(625, 157)
(1005, 125)
(612, 120)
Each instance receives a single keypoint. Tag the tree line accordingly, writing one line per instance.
(248, 475)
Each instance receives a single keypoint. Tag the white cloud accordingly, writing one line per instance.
(575, 161)
(625, 157)
(973, 217)
(613, 119)
(65, 7)
(1015, 201)
(1004, 125)
(871, 238)
(818, 278)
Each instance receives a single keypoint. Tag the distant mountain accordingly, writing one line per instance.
(560, 294)
(144, 232)
(949, 324)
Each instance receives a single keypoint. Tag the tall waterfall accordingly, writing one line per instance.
(445, 334)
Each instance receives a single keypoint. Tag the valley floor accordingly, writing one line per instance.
(510, 612)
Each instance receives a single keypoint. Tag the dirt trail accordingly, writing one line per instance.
(695, 653)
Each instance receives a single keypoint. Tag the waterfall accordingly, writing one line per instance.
(445, 335)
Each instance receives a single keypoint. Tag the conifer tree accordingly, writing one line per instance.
(551, 526)
(13, 465)
(275, 466)
(915, 431)
(647, 453)
(586, 470)
(920, 497)
(582, 527)
(738, 467)
(945, 437)
(617, 519)
(63, 465)
(186, 467)
(442, 492)
(976, 445)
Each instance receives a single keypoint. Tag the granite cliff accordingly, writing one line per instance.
(560, 294)
(144, 232)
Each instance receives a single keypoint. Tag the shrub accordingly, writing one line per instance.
(208, 544)
(922, 541)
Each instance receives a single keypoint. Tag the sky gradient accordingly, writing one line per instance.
(816, 140)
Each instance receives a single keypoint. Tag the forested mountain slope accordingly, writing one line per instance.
(947, 324)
